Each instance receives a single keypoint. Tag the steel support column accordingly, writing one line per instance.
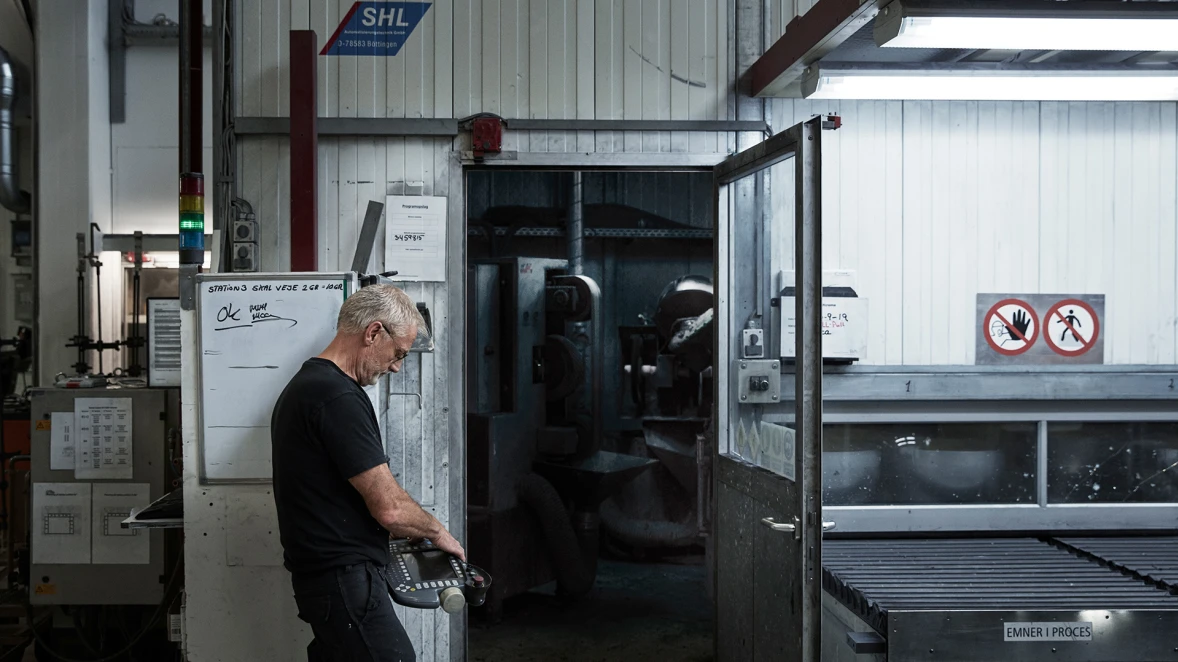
(191, 120)
(304, 152)
(808, 349)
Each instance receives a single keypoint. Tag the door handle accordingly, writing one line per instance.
(791, 527)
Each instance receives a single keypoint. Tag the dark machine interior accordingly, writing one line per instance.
(589, 331)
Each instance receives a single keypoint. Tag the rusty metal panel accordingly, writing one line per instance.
(758, 570)
(734, 573)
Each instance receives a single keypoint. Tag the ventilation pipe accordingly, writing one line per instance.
(576, 229)
(574, 566)
(11, 196)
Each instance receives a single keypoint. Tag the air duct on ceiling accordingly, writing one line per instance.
(11, 195)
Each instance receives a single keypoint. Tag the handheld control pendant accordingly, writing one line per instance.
(425, 577)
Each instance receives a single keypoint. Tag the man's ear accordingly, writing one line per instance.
(371, 332)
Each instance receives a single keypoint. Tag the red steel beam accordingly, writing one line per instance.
(807, 38)
(304, 152)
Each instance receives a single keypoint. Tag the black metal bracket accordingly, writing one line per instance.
(867, 643)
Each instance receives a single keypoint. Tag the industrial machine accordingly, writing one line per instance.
(427, 578)
(977, 525)
(1024, 599)
(667, 369)
(98, 455)
(536, 472)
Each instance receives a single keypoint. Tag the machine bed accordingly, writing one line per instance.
(1090, 600)
(1152, 559)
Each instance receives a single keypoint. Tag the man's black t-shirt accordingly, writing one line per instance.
(323, 432)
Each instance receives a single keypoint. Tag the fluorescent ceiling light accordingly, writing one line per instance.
(826, 83)
(904, 27)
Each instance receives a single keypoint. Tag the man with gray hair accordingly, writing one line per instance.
(338, 503)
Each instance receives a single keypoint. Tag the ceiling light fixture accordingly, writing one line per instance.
(990, 85)
(1082, 26)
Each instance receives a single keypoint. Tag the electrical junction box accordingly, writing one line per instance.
(245, 230)
(759, 381)
(753, 346)
(245, 256)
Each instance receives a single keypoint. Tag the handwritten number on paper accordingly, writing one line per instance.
(908, 386)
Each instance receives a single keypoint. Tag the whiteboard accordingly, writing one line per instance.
(254, 333)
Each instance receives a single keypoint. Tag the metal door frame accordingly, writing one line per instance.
(803, 142)
(461, 164)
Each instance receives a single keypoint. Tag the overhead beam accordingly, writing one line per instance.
(440, 126)
(807, 39)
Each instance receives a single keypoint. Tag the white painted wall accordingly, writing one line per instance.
(74, 166)
(933, 202)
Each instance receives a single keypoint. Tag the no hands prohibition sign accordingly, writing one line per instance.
(1072, 327)
(1011, 327)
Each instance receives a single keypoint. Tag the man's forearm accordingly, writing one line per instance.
(392, 506)
(411, 521)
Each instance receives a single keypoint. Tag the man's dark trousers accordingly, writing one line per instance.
(351, 614)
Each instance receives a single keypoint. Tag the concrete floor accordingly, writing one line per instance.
(637, 611)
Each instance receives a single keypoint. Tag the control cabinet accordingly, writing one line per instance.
(86, 479)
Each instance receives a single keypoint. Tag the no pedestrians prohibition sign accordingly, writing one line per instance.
(1073, 327)
(1011, 327)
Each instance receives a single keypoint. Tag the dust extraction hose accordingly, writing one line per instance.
(646, 533)
(572, 573)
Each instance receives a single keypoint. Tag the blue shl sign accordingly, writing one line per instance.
(375, 28)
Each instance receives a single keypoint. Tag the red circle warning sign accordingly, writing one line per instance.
(1011, 327)
(1072, 327)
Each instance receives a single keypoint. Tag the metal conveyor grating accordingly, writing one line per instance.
(1153, 559)
(872, 577)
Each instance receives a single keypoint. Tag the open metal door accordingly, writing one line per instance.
(768, 525)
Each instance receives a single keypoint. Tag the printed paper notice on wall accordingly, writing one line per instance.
(61, 441)
(61, 523)
(103, 438)
(113, 503)
(415, 237)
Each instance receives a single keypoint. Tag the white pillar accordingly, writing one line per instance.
(73, 141)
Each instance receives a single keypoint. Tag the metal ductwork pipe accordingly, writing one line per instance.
(11, 196)
(576, 229)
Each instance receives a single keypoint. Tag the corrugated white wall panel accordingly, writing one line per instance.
(415, 83)
(539, 59)
(610, 59)
(780, 13)
(933, 202)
